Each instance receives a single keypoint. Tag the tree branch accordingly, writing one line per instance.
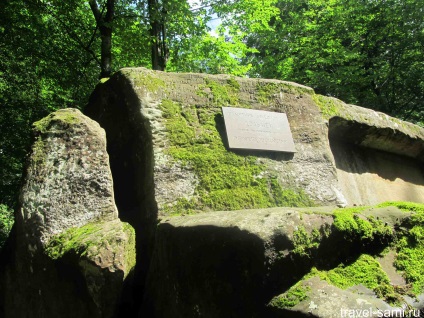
(95, 9)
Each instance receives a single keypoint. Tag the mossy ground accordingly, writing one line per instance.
(365, 270)
(408, 243)
(304, 242)
(227, 180)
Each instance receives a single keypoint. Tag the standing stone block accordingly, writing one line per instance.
(71, 256)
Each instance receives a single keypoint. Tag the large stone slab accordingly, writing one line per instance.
(170, 156)
(232, 264)
(166, 132)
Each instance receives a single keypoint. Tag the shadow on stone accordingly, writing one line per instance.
(206, 271)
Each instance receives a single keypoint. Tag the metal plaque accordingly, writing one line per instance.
(257, 129)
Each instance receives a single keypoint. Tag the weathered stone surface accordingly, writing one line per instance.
(224, 264)
(68, 182)
(69, 255)
(169, 156)
(166, 130)
(327, 301)
(231, 264)
(165, 117)
(371, 129)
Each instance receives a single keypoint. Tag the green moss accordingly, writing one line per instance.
(221, 94)
(183, 132)
(64, 116)
(130, 251)
(38, 153)
(327, 105)
(304, 243)
(410, 245)
(289, 197)
(365, 270)
(291, 298)
(404, 206)
(410, 261)
(141, 79)
(77, 239)
(88, 239)
(227, 181)
(233, 83)
(357, 227)
(267, 92)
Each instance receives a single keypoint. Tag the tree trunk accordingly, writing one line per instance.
(157, 34)
(106, 53)
(104, 23)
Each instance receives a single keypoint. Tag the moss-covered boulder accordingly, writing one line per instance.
(170, 160)
(68, 255)
(168, 146)
(288, 262)
(68, 181)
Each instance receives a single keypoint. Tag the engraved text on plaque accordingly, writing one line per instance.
(257, 129)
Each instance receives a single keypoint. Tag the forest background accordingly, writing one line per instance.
(54, 52)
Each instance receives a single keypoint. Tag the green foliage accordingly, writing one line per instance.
(223, 49)
(6, 222)
(227, 180)
(211, 54)
(367, 53)
(42, 68)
